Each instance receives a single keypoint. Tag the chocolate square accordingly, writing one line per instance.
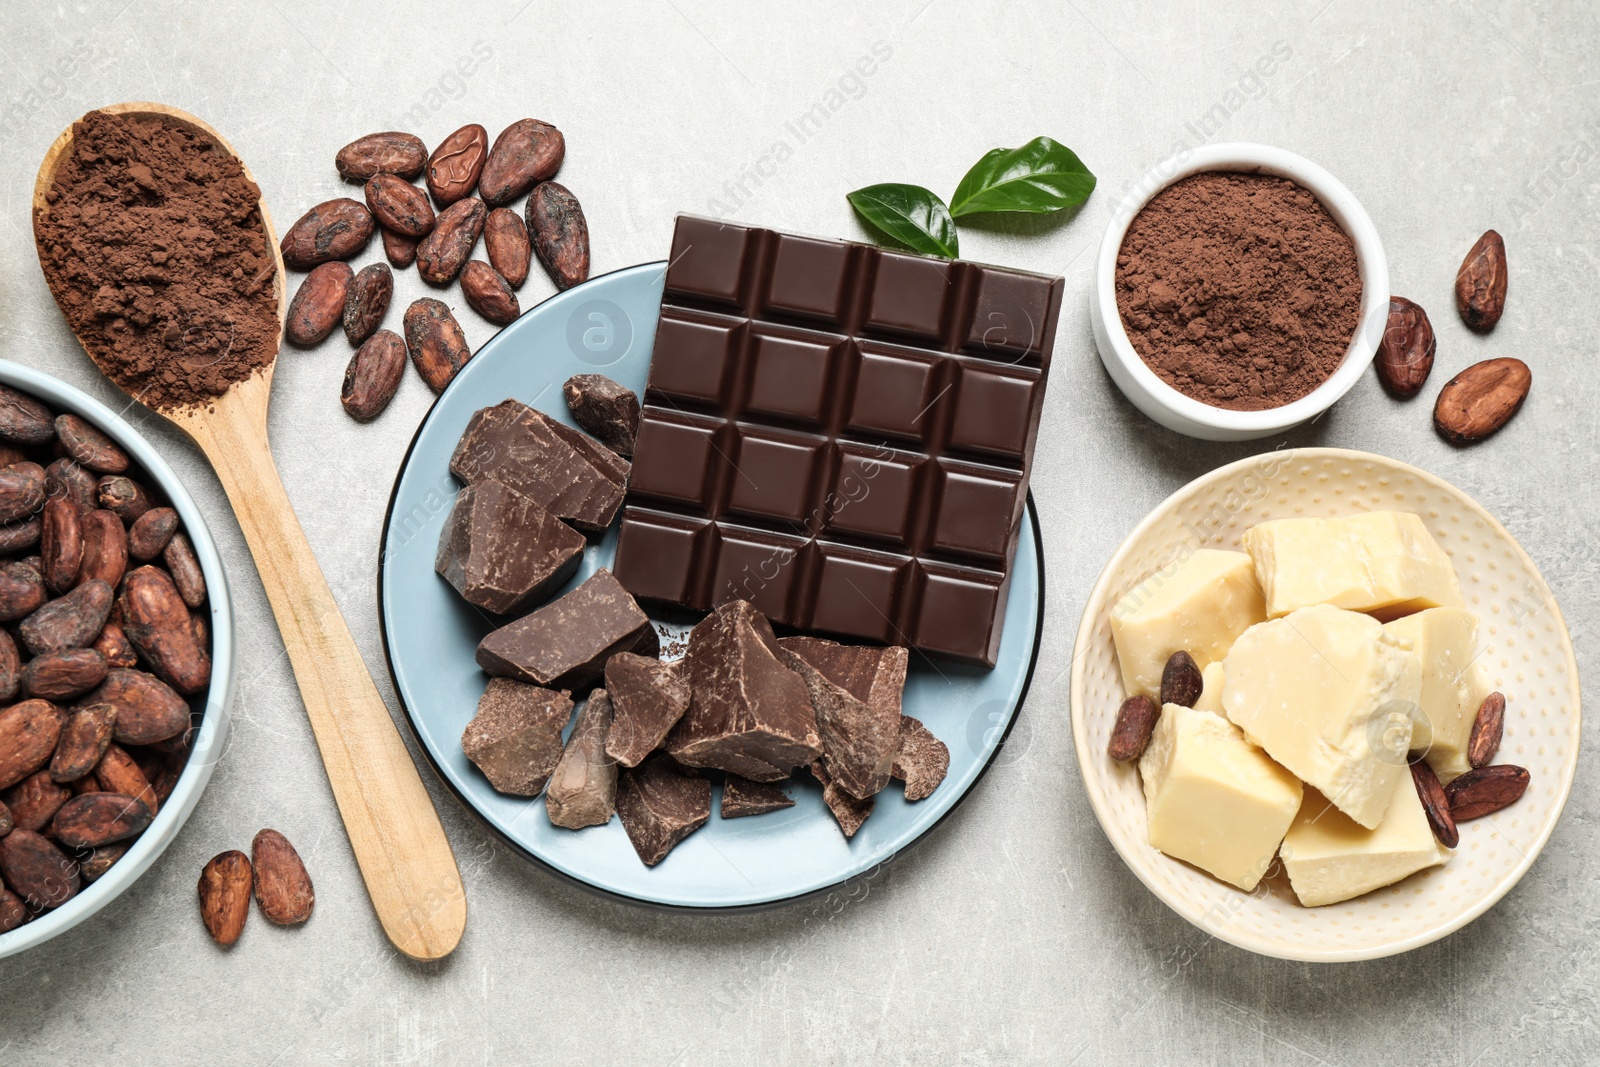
(910, 295)
(994, 412)
(774, 477)
(979, 508)
(661, 555)
(678, 456)
(692, 357)
(709, 260)
(1011, 315)
(858, 592)
(894, 393)
(789, 375)
(872, 493)
(759, 567)
(810, 278)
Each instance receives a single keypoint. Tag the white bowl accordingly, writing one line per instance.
(209, 739)
(1524, 647)
(1184, 414)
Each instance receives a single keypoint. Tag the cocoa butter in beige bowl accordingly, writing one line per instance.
(79, 887)
(1523, 651)
(1240, 290)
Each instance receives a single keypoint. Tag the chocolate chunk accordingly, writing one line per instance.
(567, 472)
(515, 739)
(565, 644)
(855, 690)
(605, 408)
(923, 759)
(649, 698)
(583, 787)
(741, 797)
(502, 551)
(749, 714)
(660, 805)
(850, 812)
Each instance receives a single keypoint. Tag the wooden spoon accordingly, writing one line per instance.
(399, 843)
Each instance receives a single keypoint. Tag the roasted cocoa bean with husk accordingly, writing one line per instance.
(10, 453)
(60, 676)
(1435, 805)
(1136, 721)
(560, 234)
(488, 294)
(1405, 355)
(526, 152)
(38, 871)
(105, 548)
(35, 800)
(283, 888)
(437, 345)
(118, 772)
(453, 169)
(114, 645)
(1485, 790)
(400, 154)
(101, 859)
(10, 666)
(71, 621)
(13, 912)
(1487, 729)
(96, 819)
(23, 419)
(399, 206)
(368, 302)
(28, 735)
(88, 446)
(6, 822)
(337, 229)
(401, 251)
(21, 591)
(1481, 283)
(61, 544)
(66, 479)
(149, 534)
(442, 254)
(17, 536)
(505, 239)
(225, 896)
(1181, 682)
(156, 620)
(1481, 399)
(84, 740)
(318, 305)
(373, 376)
(21, 491)
(202, 631)
(123, 497)
(185, 570)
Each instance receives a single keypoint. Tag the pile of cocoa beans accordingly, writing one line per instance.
(521, 161)
(103, 643)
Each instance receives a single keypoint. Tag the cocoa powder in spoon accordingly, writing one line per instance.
(154, 247)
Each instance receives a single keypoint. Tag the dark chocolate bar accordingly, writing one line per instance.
(840, 434)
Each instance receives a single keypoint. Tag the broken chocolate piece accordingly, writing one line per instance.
(607, 409)
(741, 797)
(749, 714)
(649, 697)
(660, 805)
(923, 760)
(515, 738)
(565, 644)
(855, 690)
(566, 472)
(583, 788)
(502, 551)
(850, 812)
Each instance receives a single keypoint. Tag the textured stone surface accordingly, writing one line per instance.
(1013, 934)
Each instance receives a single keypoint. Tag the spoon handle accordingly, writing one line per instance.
(399, 844)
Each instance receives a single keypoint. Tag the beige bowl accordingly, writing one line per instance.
(1524, 647)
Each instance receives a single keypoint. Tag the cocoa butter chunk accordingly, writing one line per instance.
(566, 643)
(660, 805)
(566, 472)
(855, 690)
(583, 788)
(850, 812)
(605, 408)
(515, 738)
(923, 760)
(741, 797)
(749, 714)
(502, 551)
(648, 698)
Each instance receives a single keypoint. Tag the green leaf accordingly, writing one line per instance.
(1040, 177)
(909, 215)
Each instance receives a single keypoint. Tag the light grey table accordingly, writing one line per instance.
(1014, 934)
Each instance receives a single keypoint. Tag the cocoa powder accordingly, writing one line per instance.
(154, 247)
(1238, 289)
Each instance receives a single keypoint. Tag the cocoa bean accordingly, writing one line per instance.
(35, 800)
(105, 548)
(114, 645)
(1405, 355)
(318, 304)
(84, 741)
(24, 420)
(442, 254)
(13, 912)
(123, 497)
(63, 675)
(368, 302)
(28, 735)
(399, 206)
(66, 480)
(96, 819)
(1435, 805)
(88, 446)
(400, 154)
(337, 229)
(1487, 729)
(21, 491)
(453, 169)
(149, 533)
(1181, 682)
(373, 376)
(10, 666)
(6, 822)
(61, 544)
(283, 888)
(225, 896)
(1481, 283)
(437, 345)
(401, 251)
(202, 631)
(166, 779)
(14, 537)
(1485, 790)
(117, 772)
(101, 859)
(526, 152)
(1481, 399)
(185, 570)
(10, 454)
(37, 870)
(505, 239)
(488, 294)
(71, 621)
(560, 234)
(156, 621)
(21, 591)
(1136, 721)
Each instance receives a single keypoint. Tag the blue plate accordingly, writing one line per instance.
(430, 636)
